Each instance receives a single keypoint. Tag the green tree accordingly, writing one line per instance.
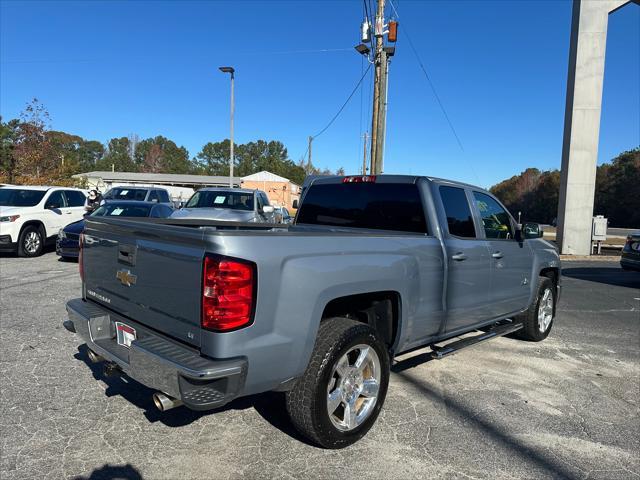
(618, 190)
(213, 159)
(250, 158)
(160, 154)
(9, 132)
(117, 156)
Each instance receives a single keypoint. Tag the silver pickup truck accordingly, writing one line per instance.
(373, 266)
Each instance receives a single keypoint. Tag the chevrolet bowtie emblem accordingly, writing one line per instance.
(126, 277)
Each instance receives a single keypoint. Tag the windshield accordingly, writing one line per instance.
(120, 193)
(13, 197)
(119, 210)
(221, 199)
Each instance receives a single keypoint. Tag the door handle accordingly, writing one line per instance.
(497, 255)
(69, 212)
(459, 257)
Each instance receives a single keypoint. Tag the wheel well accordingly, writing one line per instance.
(35, 223)
(551, 273)
(381, 310)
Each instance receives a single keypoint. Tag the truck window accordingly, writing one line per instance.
(221, 199)
(495, 219)
(164, 196)
(153, 196)
(381, 206)
(456, 207)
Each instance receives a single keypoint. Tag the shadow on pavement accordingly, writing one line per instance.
(552, 465)
(270, 406)
(608, 276)
(113, 472)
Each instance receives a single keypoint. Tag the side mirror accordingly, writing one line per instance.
(268, 209)
(295, 204)
(532, 230)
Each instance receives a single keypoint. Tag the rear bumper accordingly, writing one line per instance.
(157, 361)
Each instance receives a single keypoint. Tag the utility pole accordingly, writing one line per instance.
(310, 144)
(381, 57)
(382, 111)
(377, 78)
(364, 157)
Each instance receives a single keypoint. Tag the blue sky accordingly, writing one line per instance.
(108, 69)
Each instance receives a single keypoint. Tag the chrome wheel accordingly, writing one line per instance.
(545, 310)
(352, 392)
(32, 242)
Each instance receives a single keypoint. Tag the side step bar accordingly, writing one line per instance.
(454, 347)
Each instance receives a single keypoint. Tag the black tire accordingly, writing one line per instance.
(26, 247)
(307, 401)
(531, 329)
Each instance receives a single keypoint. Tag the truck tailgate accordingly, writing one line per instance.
(148, 272)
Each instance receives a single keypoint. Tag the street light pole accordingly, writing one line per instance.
(231, 71)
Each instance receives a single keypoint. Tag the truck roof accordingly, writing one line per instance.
(391, 178)
(228, 189)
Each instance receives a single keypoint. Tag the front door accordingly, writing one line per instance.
(511, 260)
(55, 215)
(469, 263)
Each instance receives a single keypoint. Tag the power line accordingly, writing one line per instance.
(424, 70)
(355, 89)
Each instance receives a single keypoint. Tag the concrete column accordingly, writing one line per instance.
(582, 123)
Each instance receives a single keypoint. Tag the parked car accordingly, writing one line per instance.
(283, 215)
(67, 244)
(372, 267)
(229, 204)
(139, 194)
(31, 216)
(630, 259)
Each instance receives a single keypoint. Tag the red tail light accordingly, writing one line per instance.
(228, 294)
(360, 179)
(80, 266)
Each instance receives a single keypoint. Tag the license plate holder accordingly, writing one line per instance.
(125, 334)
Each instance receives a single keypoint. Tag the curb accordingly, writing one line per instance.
(591, 258)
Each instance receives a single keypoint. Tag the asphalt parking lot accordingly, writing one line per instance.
(564, 408)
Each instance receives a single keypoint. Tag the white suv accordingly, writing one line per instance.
(31, 216)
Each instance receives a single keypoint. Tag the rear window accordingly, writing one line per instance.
(138, 194)
(75, 198)
(380, 206)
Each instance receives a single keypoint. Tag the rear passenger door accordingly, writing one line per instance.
(75, 204)
(511, 260)
(469, 262)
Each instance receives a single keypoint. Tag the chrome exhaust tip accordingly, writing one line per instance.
(94, 357)
(165, 402)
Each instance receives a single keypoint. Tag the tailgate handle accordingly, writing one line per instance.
(127, 254)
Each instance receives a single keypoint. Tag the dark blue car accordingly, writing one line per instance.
(68, 242)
